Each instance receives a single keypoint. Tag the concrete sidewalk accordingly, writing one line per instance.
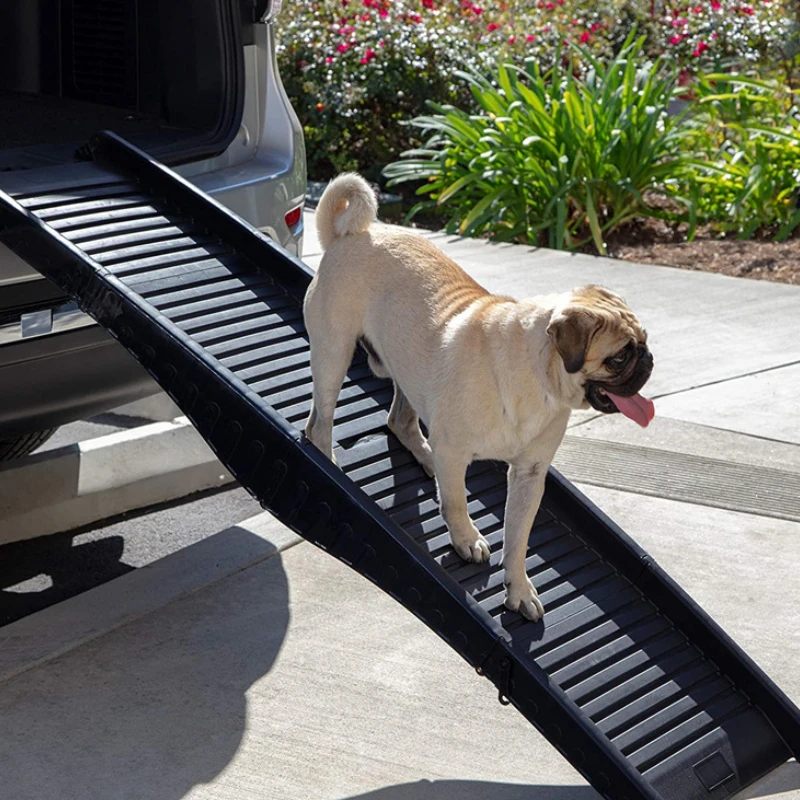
(251, 666)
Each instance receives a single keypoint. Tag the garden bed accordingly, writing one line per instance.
(755, 258)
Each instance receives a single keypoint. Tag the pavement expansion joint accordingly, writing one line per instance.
(763, 491)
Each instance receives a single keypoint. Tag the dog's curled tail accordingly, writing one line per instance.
(347, 206)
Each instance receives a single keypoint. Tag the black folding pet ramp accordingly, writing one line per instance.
(644, 694)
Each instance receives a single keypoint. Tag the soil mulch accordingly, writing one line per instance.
(653, 242)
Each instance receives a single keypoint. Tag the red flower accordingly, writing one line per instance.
(328, 59)
(697, 10)
(342, 47)
(716, 5)
(414, 18)
(383, 13)
(676, 39)
(492, 26)
(512, 39)
(427, 3)
(530, 37)
(320, 106)
(585, 36)
(748, 10)
(701, 48)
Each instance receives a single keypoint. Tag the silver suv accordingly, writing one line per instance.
(196, 85)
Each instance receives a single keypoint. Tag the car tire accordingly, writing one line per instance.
(20, 446)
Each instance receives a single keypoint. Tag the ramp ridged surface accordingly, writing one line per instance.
(649, 690)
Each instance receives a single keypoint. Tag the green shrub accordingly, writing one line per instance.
(551, 158)
(745, 175)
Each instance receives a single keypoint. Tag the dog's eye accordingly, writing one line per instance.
(620, 359)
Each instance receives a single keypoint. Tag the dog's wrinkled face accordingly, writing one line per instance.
(598, 336)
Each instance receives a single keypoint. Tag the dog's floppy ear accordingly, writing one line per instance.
(571, 330)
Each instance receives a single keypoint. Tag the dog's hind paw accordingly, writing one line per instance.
(522, 596)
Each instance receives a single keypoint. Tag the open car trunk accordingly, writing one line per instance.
(166, 75)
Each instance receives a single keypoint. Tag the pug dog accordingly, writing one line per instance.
(492, 377)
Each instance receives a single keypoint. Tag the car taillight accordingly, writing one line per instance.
(293, 216)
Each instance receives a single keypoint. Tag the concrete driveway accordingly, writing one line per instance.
(251, 665)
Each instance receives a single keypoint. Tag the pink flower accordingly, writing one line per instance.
(676, 39)
(427, 3)
(679, 22)
(343, 47)
(328, 59)
(714, 35)
(414, 18)
(530, 37)
(716, 5)
(492, 26)
(584, 37)
(697, 10)
(383, 13)
(701, 48)
(512, 39)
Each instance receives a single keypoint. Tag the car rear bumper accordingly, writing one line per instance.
(51, 380)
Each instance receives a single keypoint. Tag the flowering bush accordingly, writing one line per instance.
(708, 34)
(356, 69)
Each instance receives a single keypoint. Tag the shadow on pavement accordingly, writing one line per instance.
(38, 573)
(157, 706)
(477, 790)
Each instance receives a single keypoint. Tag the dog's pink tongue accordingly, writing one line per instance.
(640, 409)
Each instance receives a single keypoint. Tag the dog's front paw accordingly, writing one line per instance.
(471, 546)
(521, 596)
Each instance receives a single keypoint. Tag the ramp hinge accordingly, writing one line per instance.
(504, 684)
(502, 669)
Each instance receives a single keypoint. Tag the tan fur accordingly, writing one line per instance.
(483, 371)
